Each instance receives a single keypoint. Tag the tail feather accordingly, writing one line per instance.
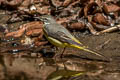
(85, 49)
(92, 52)
(73, 43)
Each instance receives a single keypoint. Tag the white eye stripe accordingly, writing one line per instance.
(46, 23)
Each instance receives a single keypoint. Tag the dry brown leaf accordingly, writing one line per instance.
(18, 33)
(13, 3)
(43, 9)
(77, 25)
(110, 8)
(101, 19)
(99, 27)
(91, 9)
(31, 28)
(66, 3)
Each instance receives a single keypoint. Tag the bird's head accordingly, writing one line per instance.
(47, 19)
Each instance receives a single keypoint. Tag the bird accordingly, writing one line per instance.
(59, 36)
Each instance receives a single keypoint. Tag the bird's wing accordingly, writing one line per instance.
(60, 33)
(61, 36)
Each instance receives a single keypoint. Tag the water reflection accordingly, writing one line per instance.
(42, 68)
(64, 74)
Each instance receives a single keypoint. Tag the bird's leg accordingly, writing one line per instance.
(62, 52)
(56, 51)
(56, 48)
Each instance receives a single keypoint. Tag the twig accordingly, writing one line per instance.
(112, 29)
(102, 45)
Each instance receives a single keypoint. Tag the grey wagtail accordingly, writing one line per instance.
(60, 36)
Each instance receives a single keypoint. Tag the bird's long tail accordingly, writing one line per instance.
(81, 47)
(85, 49)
